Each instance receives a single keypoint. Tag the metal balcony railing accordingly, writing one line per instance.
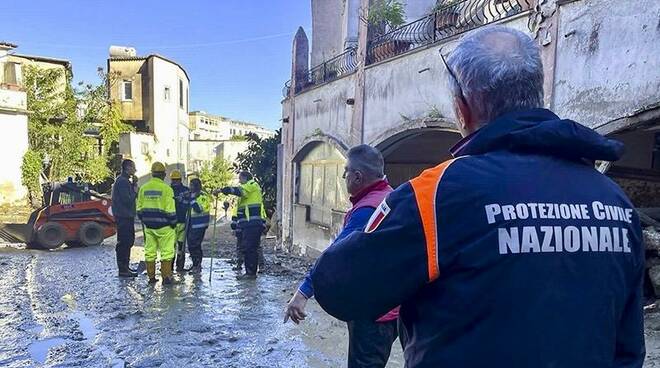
(446, 22)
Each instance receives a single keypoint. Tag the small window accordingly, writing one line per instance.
(11, 73)
(180, 93)
(187, 99)
(127, 90)
(144, 148)
(167, 94)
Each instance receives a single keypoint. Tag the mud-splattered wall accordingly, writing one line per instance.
(608, 63)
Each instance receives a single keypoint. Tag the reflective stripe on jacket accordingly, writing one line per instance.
(199, 212)
(155, 204)
(250, 205)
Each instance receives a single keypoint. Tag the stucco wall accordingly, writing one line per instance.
(607, 63)
(323, 112)
(327, 25)
(135, 71)
(411, 87)
(170, 119)
(139, 147)
(13, 145)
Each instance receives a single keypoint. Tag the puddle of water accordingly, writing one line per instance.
(87, 327)
(39, 349)
(38, 329)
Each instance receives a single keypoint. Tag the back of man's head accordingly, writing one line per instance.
(368, 160)
(195, 185)
(499, 70)
(126, 165)
(245, 175)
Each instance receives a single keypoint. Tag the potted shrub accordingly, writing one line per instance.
(385, 16)
(447, 15)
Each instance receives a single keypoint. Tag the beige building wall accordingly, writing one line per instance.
(14, 127)
(135, 71)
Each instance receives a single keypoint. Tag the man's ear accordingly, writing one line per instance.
(464, 115)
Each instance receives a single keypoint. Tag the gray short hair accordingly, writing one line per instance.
(498, 75)
(368, 160)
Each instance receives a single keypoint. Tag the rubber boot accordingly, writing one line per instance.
(127, 272)
(180, 258)
(197, 265)
(151, 272)
(166, 271)
(262, 260)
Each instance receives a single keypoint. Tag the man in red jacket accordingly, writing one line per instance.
(370, 341)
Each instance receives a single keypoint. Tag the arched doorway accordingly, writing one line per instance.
(409, 153)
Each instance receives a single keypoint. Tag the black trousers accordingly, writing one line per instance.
(248, 240)
(195, 238)
(125, 240)
(370, 343)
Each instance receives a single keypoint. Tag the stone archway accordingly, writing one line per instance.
(410, 152)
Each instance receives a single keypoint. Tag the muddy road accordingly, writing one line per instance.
(67, 308)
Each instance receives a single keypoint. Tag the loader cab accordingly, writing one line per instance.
(68, 192)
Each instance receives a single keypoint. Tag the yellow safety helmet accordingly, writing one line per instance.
(175, 174)
(157, 167)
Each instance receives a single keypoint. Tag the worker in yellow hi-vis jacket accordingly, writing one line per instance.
(248, 221)
(157, 211)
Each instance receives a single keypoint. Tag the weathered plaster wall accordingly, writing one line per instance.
(135, 71)
(608, 63)
(13, 145)
(327, 23)
(409, 88)
(324, 111)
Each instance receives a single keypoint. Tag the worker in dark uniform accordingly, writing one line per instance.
(123, 209)
(200, 205)
(516, 252)
(248, 220)
(182, 200)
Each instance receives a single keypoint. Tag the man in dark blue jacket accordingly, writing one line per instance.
(517, 252)
(124, 191)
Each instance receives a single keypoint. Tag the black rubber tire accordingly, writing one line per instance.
(90, 234)
(50, 235)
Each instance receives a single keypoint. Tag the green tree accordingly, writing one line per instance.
(65, 127)
(260, 159)
(216, 174)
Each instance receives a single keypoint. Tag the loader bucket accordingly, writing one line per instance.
(16, 233)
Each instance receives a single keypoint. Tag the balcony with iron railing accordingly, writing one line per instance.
(446, 22)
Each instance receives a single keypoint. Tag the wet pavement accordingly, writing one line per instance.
(67, 308)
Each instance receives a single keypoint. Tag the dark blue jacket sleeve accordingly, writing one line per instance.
(356, 222)
(365, 275)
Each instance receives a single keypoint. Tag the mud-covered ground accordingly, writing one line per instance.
(67, 308)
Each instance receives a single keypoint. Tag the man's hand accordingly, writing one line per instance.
(295, 309)
(224, 190)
